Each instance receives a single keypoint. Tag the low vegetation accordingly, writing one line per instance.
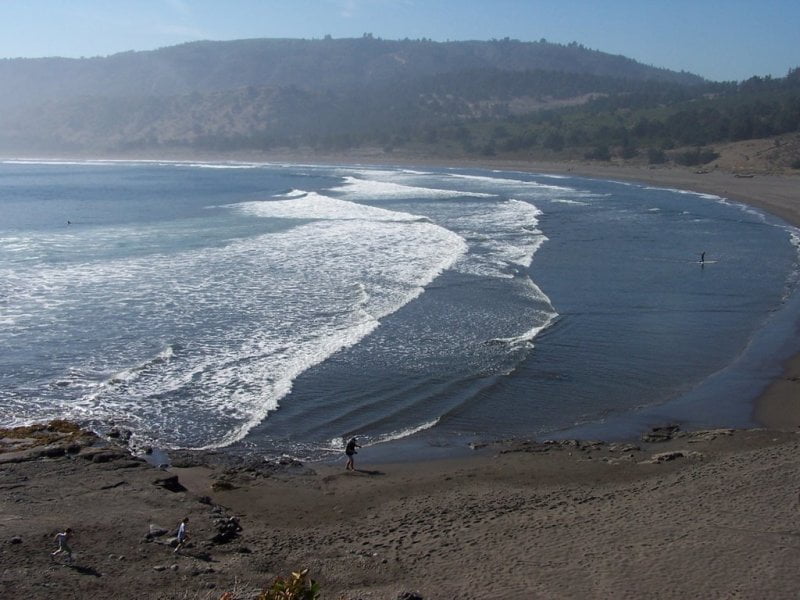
(297, 586)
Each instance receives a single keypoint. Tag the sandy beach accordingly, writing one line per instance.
(669, 515)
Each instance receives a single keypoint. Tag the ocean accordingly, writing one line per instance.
(279, 308)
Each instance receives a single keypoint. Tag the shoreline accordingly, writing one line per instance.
(777, 406)
(670, 515)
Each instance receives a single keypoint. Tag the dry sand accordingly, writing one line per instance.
(718, 520)
(715, 517)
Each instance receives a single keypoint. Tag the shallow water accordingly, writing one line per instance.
(282, 307)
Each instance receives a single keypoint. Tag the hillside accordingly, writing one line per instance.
(319, 65)
(501, 98)
(259, 94)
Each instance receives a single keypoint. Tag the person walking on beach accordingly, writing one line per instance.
(350, 451)
(182, 534)
(62, 539)
(702, 258)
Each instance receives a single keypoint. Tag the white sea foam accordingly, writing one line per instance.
(337, 444)
(525, 339)
(223, 166)
(247, 316)
(357, 189)
(496, 182)
(400, 433)
(43, 161)
(568, 201)
(311, 205)
(501, 235)
(314, 288)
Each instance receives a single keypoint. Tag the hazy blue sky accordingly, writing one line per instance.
(718, 39)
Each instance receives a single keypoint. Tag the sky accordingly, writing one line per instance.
(721, 40)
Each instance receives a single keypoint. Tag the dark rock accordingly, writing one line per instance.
(247, 466)
(409, 596)
(624, 448)
(73, 448)
(52, 451)
(221, 486)
(105, 456)
(111, 486)
(156, 531)
(15, 540)
(170, 483)
(227, 530)
(660, 434)
(130, 463)
(113, 433)
(675, 454)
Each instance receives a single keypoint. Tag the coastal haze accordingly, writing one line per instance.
(540, 259)
(252, 95)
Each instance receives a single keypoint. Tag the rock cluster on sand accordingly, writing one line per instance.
(616, 520)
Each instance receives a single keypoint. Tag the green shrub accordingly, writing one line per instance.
(297, 587)
(656, 156)
(598, 153)
(695, 156)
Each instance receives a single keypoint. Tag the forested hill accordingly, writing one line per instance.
(497, 98)
(315, 65)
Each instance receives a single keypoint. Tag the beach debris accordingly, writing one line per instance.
(707, 435)
(663, 457)
(660, 434)
(623, 448)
